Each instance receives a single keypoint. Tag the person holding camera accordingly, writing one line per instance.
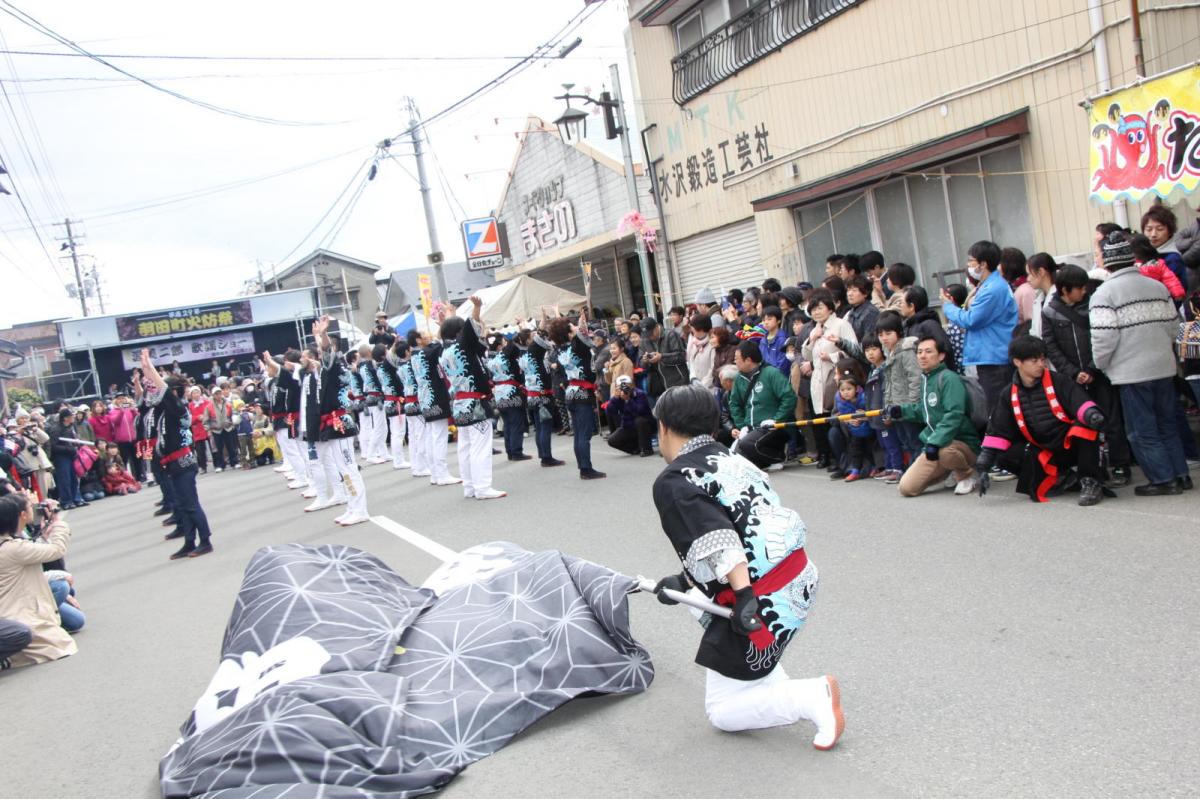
(25, 595)
(630, 419)
(382, 333)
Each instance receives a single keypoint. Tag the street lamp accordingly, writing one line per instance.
(573, 122)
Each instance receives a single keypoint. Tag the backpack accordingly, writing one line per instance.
(977, 401)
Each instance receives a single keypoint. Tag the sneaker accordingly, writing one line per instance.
(490, 493)
(591, 474)
(1121, 477)
(218, 470)
(401, 465)
(837, 474)
(376, 461)
(553, 462)
(317, 505)
(774, 467)
(338, 520)
(854, 476)
(171, 536)
(182, 552)
(468, 493)
(281, 469)
(827, 715)
(520, 457)
(1185, 483)
(350, 521)
(1000, 475)
(203, 549)
(806, 460)
(310, 493)
(162, 511)
(951, 481)
(295, 484)
(882, 474)
(421, 474)
(1158, 489)
(446, 481)
(967, 486)
(1090, 492)
(893, 477)
(237, 466)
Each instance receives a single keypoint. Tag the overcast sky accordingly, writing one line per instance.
(103, 144)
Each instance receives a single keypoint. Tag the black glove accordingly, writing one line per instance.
(745, 612)
(985, 461)
(931, 452)
(894, 412)
(675, 582)
(983, 481)
(1093, 417)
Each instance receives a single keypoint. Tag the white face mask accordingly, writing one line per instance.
(791, 356)
(976, 274)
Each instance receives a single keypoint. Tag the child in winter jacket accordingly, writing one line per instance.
(1148, 261)
(851, 399)
(889, 441)
(118, 481)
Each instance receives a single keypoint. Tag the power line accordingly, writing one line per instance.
(29, 217)
(329, 210)
(28, 21)
(268, 58)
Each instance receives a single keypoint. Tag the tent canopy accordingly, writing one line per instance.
(522, 296)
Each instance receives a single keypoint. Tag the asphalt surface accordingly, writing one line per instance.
(985, 648)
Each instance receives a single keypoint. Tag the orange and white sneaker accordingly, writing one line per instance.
(826, 712)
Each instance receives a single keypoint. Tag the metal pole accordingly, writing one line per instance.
(78, 273)
(349, 307)
(617, 277)
(1139, 62)
(96, 280)
(435, 251)
(631, 189)
(312, 267)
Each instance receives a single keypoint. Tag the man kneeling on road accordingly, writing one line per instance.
(629, 414)
(761, 394)
(949, 435)
(1051, 421)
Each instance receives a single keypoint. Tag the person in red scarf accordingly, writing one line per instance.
(1042, 426)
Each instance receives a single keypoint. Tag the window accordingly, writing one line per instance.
(927, 220)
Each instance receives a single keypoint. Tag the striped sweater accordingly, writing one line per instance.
(1133, 325)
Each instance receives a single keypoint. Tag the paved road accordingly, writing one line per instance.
(985, 647)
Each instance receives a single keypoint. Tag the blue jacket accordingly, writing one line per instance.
(989, 322)
(638, 406)
(774, 351)
(863, 430)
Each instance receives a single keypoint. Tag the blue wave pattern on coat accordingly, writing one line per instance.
(409, 381)
(455, 363)
(532, 368)
(506, 388)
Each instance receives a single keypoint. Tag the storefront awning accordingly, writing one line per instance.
(989, 134)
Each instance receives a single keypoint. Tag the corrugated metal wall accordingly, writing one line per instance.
(720, 260)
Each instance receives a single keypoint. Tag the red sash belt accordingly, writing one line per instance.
(374, 393)
(333, 420)
(461, 395)
(539, 393)
(390, 398)
(582, 384)
(413, 398)
(275, 417)
(176, 455)
(774, 580)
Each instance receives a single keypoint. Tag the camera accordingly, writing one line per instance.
(42, 513)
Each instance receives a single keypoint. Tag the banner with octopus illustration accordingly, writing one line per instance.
(1146, 138)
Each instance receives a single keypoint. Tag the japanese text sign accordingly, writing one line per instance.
(184, 320)
(207, 348)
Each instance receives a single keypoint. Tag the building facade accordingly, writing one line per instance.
(781, 131)
(562, 207)
(347, 285)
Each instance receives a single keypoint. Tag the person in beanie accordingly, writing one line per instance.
(1134, 323)
(740, 547)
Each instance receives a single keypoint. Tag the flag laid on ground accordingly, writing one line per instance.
(339, 679)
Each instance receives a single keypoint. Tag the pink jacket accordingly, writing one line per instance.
(1160, 272)
(102, 427)
(122, 421)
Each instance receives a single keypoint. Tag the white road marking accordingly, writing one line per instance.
(427, 545)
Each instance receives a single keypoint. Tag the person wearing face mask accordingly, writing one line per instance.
(989, 321)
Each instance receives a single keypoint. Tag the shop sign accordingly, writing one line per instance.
(1145, 139)
(184, 320)
(481, 237)
(217, 347)
(550, 227)
(711, 165)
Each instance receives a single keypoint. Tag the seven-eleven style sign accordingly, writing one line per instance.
(481, 238)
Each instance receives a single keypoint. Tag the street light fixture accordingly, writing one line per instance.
(573, 122)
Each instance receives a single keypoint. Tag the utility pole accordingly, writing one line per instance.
(631, 189)
(70, 244)
(435, 251)
(96, 282)
(1139, 61)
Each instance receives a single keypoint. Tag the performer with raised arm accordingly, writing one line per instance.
(372, 440)
(174, 450)
(387, 368)
(284, 396)
(462, 363)
(335, 449)
(327, 489)
(418, 442)
(534, 348)
(575, 358)
(147, 440)
(433, 397)
(508, 393)
(741, 548)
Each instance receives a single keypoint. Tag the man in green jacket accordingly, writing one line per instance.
(950, 439)
(761, 394)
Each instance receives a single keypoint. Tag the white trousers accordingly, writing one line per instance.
(773, 701)
(475, 456)
(293, 456)
(366, 433)
(379, 432)
(435, 436)
(322, 473)
(418, 451)
(341, 469)
(396, 425)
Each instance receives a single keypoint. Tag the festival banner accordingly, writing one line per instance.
(425, 289)
(218, 347)
(1145, 139)
(184, 320)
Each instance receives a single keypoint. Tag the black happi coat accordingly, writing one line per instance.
(391, 387)
(174, 422)
(433, 396)
(712, 502)
(369, 379)
(337, 417)
(285, 399)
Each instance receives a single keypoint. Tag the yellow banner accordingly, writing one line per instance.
(425, 288)
(1146, 139)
